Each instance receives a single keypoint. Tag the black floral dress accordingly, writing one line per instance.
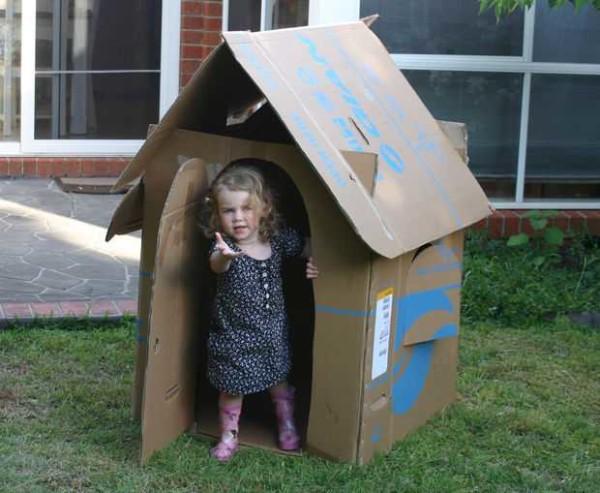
(248, 344)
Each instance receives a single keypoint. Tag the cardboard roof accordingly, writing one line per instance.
(336, 92)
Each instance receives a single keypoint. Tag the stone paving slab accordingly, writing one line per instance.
(54, 261)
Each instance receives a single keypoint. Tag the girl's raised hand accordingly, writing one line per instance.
(312, 272)
(224, 249)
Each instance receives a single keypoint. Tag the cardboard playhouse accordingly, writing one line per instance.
(361, 167)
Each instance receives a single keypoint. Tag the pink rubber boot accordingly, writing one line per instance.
(284, 410)
(229, 416)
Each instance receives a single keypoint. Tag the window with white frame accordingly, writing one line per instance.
(528, 88)
(85, 76)
(263, 15)
(10, 68)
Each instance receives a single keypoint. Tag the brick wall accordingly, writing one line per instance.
(201, 22)
(505, 223)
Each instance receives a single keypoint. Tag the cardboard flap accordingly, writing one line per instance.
(129, 214)
(178, 302)
(430, 308)
(336, 87)
(364, 165)
(195, 102)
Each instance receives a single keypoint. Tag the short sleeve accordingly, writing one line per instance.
(292, 243)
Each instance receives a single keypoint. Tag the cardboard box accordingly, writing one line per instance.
(361, 167)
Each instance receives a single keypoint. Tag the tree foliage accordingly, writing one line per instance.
(505, 7)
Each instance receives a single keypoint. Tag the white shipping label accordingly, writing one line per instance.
(381, 337)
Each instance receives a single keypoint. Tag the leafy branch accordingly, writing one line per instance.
(506, 7)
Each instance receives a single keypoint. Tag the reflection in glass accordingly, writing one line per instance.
(563, 151)
(95, 106)
(244, 15)
(98, 35)
(444, 27)
(97, 68)
(10, 70)
(490, 105)
(286, 13)
(564, 35)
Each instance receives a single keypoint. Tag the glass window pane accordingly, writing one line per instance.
(244, 15)
(445, 27)
(98, 34)
(10, 70)
(286, 13)
(490, 105)
(563, 35)
(95, 106)
(563, 151)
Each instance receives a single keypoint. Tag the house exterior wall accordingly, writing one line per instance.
(201, 26)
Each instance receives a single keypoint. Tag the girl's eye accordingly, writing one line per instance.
(247, 208)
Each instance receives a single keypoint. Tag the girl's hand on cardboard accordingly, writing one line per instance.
(224, 249)
(312, 272)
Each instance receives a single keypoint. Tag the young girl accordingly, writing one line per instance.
(248, 343)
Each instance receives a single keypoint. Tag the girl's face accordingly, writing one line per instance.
(239, 215)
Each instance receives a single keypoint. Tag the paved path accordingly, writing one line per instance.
(53, 257)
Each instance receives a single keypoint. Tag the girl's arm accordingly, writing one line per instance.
(220, 259)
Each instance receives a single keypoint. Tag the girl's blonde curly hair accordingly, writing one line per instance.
(241, 176)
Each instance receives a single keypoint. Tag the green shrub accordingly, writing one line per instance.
(511, 286)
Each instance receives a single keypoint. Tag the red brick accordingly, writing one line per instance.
(127, 306)
(483, 224)
(189, 22)
(577, 222)
(213, 24)
(17, 310)
(512, 223)
(95, 167)
(184, 79)
(73, 167)
(58, 167)
(496, 225)
(594, 226)
(191, 37)
(525, 223)
(105, 307)
(44, 167)
(212, 9)
(191, 8)
(561, 221)
(117, 167)
(88, 168)
(46, 309)
(75, 308)
(3, 167)
(210, 38)
(29, 167)
(189, 66)
(15, 166)
(190, 52)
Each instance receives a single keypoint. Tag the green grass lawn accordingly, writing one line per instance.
(528, 419)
